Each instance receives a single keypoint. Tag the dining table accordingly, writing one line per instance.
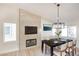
(52, 43)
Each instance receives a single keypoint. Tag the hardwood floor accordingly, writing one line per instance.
(36, 51)
(30, 52)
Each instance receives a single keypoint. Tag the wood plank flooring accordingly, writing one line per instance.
(30, 52)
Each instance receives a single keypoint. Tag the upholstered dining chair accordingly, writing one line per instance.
(71, 47)
(74, 46)
(61, 51)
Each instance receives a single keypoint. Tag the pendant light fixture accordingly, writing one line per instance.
(58, 24)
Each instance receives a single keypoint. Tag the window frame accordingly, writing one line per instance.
(12, 33)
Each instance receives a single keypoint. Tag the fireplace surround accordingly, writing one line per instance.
(31, 42)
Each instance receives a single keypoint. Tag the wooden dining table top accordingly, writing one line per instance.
(53, 43)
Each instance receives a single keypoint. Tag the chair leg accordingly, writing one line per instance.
(60, 53)
(75, 50)
(69, 51)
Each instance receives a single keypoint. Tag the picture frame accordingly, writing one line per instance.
(47, 27)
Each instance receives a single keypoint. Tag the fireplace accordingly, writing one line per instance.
(31, 42)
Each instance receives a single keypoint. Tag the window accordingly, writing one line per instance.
(64, 32)
(54, 32)
(68, 31)
(72, 31)
(9, 32)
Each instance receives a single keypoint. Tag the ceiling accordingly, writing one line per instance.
(68, 11)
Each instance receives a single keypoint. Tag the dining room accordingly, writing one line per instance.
(60, 37)
(42, 29)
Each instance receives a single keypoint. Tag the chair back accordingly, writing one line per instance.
(74, 42)
(63, 46)
(70, 44)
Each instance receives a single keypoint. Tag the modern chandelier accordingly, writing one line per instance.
(58, 24)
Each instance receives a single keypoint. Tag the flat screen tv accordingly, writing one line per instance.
(30, 30)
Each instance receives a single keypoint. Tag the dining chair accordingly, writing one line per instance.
(61, 51)
(71, 47)
(74, 46)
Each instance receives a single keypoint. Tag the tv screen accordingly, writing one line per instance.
(30, 30)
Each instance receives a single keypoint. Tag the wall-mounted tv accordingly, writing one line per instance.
(47, 27)
(30, 30)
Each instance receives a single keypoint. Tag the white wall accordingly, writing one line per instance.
(45, 34)
(8, 14)
(29, 19)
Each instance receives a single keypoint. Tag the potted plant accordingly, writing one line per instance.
(58, 33)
